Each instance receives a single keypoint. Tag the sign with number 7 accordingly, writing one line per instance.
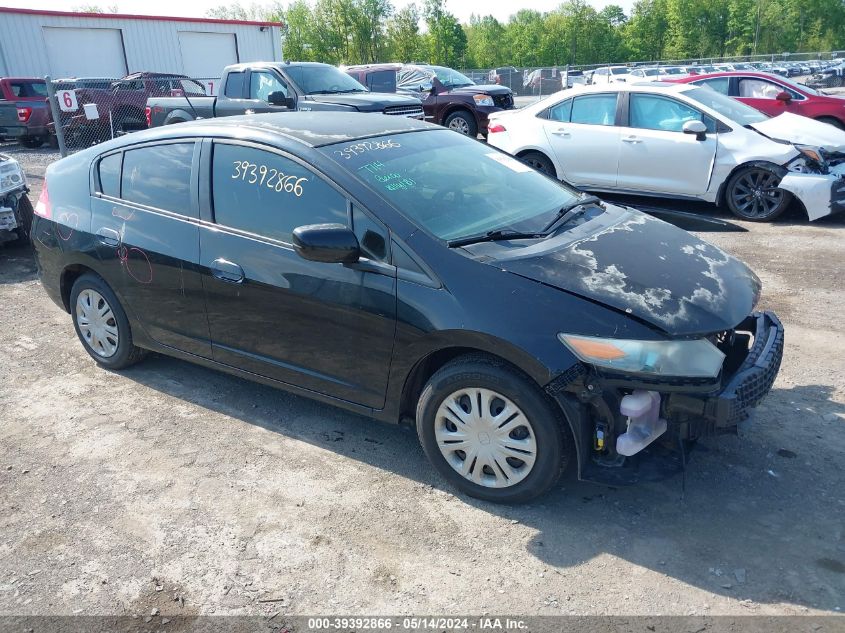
(67, 100)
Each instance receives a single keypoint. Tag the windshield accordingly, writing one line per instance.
(453, 186)
(323, 80)
(450, 78)
(727, 107)
(650, 72)
(673, 71)
(619, 71)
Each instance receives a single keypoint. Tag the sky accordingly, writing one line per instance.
(500, 9)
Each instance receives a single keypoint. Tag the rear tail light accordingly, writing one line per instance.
(42, 207)
(24, 114)
(148, 114)
(496, 127)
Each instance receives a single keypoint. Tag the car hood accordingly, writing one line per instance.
(802, 130)
(640, 266)
(490, 89)
(366, 101)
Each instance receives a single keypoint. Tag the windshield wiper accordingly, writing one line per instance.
(569, 211)
(324, 92)
(493, 236)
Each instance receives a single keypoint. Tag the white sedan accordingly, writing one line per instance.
(679, 141)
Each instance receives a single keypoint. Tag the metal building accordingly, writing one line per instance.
(62, 44)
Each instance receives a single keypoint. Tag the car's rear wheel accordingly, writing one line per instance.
(539, 162)
(491, 432)
(31, 142)
(462, 122)
(833, 121)
(753, 194)
(101, 324)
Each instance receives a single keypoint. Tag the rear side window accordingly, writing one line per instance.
(234, 85)
(561, 111)
(159, 176)
(382, 81)
(594, 109)
(719, 84)
(267, 194)
(110, 175)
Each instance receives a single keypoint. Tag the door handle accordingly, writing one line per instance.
(561, 131)
(109, 237)
(224, 270)
(632, 139)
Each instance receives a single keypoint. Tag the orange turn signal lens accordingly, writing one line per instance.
(594, 349)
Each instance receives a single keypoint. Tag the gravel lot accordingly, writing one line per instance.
(174, 487)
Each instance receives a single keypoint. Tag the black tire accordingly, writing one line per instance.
(832, 121)
(540, 162)
(546, 424)
(462, 122)
(31, 142)
(743, 201)
(126, 353)
(25, 213)
(127, 123)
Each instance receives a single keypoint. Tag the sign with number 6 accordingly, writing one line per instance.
(67, 100)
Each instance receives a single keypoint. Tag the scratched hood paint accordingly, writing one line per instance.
(638, 265)
(803, 131)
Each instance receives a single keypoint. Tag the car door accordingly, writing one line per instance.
(656, 155)
(328, 328)
(584, 139)
(145, 219)
(762, 94)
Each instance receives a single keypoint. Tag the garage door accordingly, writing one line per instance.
(205, 54)
(77, 52)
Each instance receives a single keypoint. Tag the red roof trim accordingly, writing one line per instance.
(128, 16)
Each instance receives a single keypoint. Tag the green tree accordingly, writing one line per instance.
(484, 42)
(447, 41)
(403, 34)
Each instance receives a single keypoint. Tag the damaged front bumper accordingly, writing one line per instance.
(822, 191)
(684, 410)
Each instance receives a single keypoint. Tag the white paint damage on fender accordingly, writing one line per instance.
(813, 190)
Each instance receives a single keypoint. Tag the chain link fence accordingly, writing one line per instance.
(85, 112)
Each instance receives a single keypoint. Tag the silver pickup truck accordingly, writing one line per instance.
(259, 87)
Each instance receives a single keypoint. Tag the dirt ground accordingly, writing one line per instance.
(173, 487)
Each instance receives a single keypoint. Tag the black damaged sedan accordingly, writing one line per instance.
(414, 275)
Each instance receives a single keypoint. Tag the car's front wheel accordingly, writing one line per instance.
(491, 432)
(462, 122)
(753, 194)
(101, 324)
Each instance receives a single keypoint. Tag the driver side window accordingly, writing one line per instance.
(761, 89)
(263, 84)
(651, 112)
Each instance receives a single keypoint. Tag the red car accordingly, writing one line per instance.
(773, 95)
(29, 94)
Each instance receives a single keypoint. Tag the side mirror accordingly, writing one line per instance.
(696, 127)
(784, 96)
(327, 243)
(278, 98)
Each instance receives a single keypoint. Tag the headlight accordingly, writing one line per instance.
(483, 100)
(811, 153)
(691, 359)
(11, 175)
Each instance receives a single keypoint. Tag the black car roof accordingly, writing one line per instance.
(314, 129)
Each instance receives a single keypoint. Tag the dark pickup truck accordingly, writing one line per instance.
(10, 125)
(259, 87)
(28, 95)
